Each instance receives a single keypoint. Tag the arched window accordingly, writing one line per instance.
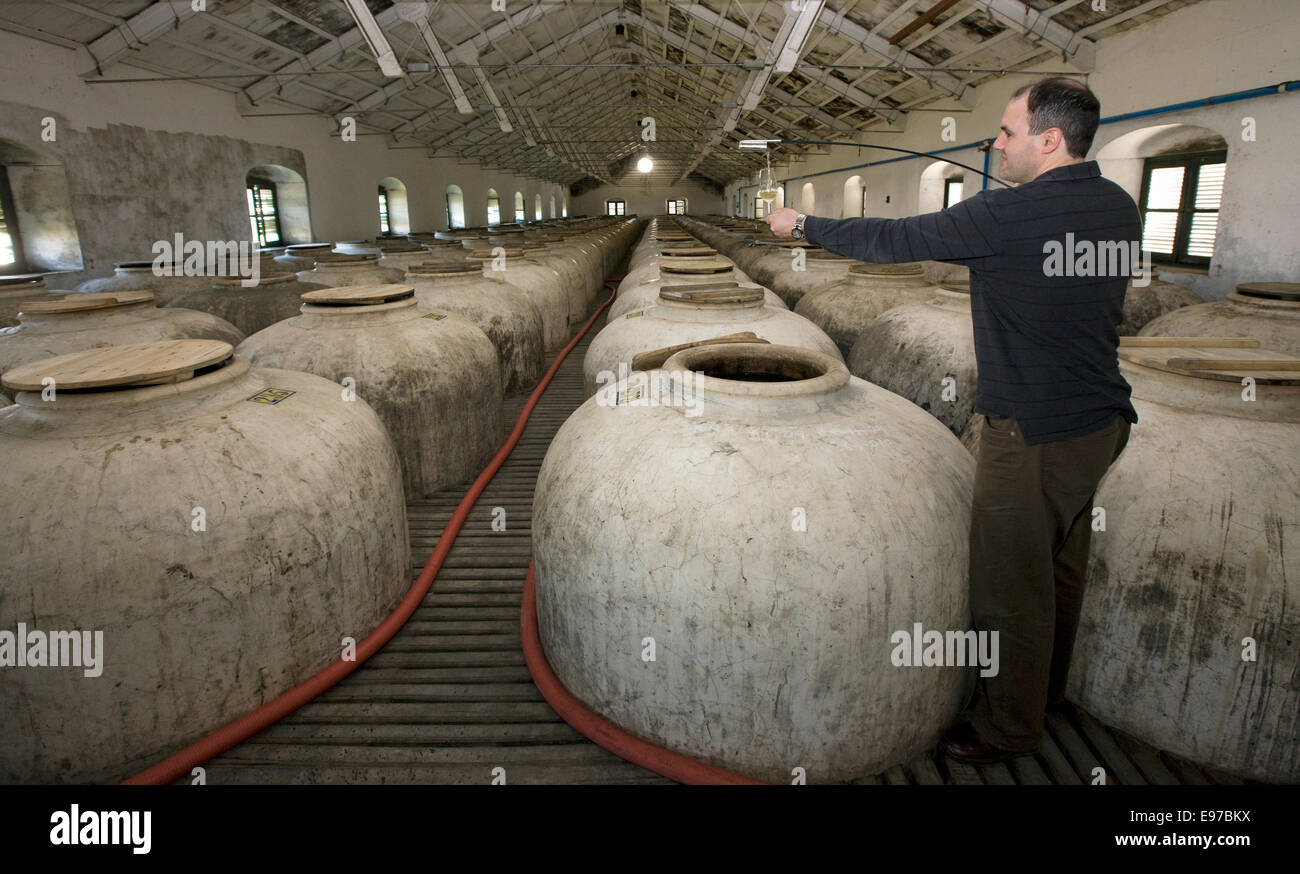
(564, 208)
(942, 184)
(552, 206)
(854, 205)
(952, 190)
(277, 206)
(37, 230)
(808, 199)
(494, 207)
(394, 214)
(519, 207)
(455, 207)
(11, 248)
(1176, 174)
(537, 207)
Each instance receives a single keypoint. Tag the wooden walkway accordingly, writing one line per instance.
(449, 699)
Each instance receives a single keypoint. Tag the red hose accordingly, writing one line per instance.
(179, 764)
(601, 731)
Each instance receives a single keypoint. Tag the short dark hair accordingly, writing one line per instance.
(1067, 104)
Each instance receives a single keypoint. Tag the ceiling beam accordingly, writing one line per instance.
(1039, 26)
(870, 41)
(135, 33)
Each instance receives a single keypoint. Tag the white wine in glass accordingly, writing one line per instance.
(766, 185)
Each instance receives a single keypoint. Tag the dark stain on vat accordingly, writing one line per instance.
(108, 455)
(180, 570)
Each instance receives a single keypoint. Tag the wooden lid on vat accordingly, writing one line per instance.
(139, 364)
(715, 297)
(1223, 358)
(451, 267)
(327, 258)
(358, 295)
(79, 303)
(693, 265)
(656, 357)
(903, 268)
(1271, 290)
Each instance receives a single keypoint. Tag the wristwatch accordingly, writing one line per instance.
(797, 230)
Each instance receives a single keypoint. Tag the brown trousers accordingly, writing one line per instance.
(1031, 526)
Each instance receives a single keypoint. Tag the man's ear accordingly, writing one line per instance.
(1053, 139)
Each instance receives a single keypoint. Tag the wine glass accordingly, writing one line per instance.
(766, 184)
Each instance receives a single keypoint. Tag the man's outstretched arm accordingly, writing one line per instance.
(964, 230)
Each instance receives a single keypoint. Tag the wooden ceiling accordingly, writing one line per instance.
(558, 89)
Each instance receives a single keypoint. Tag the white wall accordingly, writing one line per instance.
(183, 137)
(645, 200)
(1207, 49)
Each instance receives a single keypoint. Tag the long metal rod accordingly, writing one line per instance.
(892, 149)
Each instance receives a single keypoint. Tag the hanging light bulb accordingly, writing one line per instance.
(645, 165)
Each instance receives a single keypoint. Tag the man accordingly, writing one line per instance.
(1057, 411)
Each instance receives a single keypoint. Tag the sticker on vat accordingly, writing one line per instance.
(628, 395)
(635, 314)
(437, 317)
(271, 396)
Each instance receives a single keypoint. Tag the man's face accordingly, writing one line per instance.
(1021, 156)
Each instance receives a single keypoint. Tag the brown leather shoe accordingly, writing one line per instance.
(964, 744)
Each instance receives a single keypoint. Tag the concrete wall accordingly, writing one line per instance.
(646, 200)
(145, 161)
(1211, 48)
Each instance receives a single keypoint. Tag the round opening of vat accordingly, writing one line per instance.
(759, 369)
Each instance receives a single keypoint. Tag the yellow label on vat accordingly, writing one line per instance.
(628, 395)
(271, 396)
(635, 314)
(437, 317)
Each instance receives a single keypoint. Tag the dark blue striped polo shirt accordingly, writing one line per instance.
(1045, 344)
